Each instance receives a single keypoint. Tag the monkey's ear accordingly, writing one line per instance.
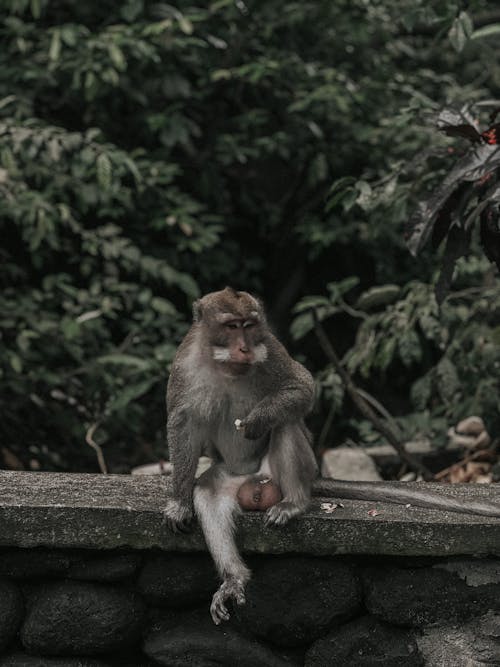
(197, 310)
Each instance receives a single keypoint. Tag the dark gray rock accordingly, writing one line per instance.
(32, 563)
(195, 641)
(365, 642)
(468, 645)
(75, 564)
(426, 596)
(178, 579)
(104, 566)
(73, 618)
(11, 612)
(24, 660)
(292, 601)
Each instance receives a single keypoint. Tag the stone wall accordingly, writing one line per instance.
(84, 583)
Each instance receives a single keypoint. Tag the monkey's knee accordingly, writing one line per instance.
(292, 462)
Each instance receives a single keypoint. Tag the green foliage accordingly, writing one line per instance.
(150, 152)
(452, 353)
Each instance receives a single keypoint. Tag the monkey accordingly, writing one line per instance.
(230, 368)
(235, 394)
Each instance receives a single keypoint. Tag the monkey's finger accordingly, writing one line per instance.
(215, 617)
(273, 517)
(268, 519)
(184, 526)
(167, 521)
(174, 527)
(219, 612)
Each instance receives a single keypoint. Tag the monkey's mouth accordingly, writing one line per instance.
(236, 367)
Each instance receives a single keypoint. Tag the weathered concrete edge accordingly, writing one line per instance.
(97, 512)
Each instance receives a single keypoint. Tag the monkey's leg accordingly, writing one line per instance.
(293, 468)
(216, 507)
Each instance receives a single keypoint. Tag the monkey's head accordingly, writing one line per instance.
(234, 325)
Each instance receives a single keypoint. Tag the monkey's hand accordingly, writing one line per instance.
(254, 426)
(230, 588)
(281, 513)
(178, 516)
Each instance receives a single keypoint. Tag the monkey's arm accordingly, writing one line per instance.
(184, 445)
(386, 492)
(289, 398)
(184, 451)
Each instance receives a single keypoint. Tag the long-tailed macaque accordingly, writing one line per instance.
(235, 394)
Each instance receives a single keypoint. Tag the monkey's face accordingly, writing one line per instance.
(237, 344)
(235, 328)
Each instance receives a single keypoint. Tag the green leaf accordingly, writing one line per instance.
(381, 295)
(163, 306)
(486, 31)
(131, 10)
(117, 57)
(221, 75)
(409, 347)
(386, 352)
(16, 363)
(36, 9)
(103, 167)
(185, 24)
(131, 393)
(421, 391)
(365, 195)
(55, 45)
(461, 31)
(448, 383)
(311, 303)
(341, 287)
(70, 328)
(302, 325)
(341, 190)
(133, 170)
(69, 35)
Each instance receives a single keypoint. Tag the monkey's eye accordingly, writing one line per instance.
(249, 324)
(232, 325)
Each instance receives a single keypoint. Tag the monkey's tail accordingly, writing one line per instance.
(386, 492)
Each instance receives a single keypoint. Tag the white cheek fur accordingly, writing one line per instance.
(220, 353)
(223, 353)
(260, 353)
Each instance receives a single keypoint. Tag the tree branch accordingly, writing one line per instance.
(364, 407)
(89, 439)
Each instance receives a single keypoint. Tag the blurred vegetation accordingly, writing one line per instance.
(152, 152)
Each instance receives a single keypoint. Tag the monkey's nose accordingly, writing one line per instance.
(244, 349)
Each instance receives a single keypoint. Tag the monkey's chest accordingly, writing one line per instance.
(242, 456)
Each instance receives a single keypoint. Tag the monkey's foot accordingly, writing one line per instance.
(230, 588)
(177, 516)
(281, 513)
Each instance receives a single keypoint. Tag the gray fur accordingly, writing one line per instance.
(387, 493)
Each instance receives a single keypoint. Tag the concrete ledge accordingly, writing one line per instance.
(107, 512)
